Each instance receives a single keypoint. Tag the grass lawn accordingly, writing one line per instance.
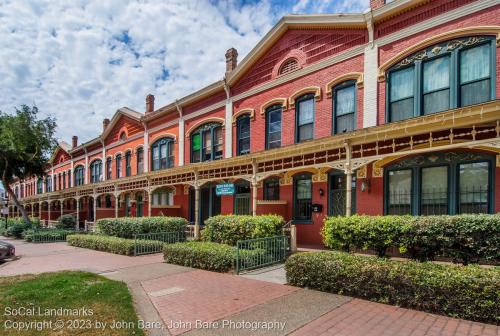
(42, 297)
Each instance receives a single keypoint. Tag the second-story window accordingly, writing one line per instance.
(206, 143)
(273, 126)
(162, 154)
(64, 180)
(344, 100)
(48, 184)
(79, 175)
(95, 171)
(304, 112)
(128, 163)
(39, 186)
(140, 160)
(109, 168)
(55, 183)
(69, 178)
(118, 166)
(243, 134)
(441, 77)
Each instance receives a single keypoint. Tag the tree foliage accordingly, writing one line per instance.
(26, 143)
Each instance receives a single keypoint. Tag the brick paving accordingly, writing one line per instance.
(208, 296)
(360, 317)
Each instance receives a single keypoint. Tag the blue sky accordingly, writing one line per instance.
(81, 60)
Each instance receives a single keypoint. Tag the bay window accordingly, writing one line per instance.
(448, 75)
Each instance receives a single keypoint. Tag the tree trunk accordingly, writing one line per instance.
(16, 201)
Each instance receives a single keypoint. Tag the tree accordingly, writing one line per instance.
(26, 144)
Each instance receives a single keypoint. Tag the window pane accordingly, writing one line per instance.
(475, 63)
(474, 191)
(344, 123)
(196, 145)
(271, 189)
(436, 74)
(475, 93)
(344, 102)
(401, 83)
(304, 189)
(306, 132)
(399, 192)
(303, 199)
(275, 116)
(434, 195)
(436, 101)
(402, 109)
(306, 111)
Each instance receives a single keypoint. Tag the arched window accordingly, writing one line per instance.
(48, 184)
(55, 182)
(123, 136)
(64, 180)
(95, 171)
(163, 196)
(243, 134)
(140, 160)
(273, 126)
(109, 168)
(451, 74)
(79, 175)
(344, 107)
(304, 118)
(118, 166)
(289, 65)
(206, 143)
(128, 163)
(162, 154)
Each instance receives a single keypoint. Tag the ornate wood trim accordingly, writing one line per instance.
(244, 111)
(357, 76)
(310, 89)
(462, 32)
(202, 122)
(275, 101)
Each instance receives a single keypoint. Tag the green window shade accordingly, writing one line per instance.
(475, 75)
(196, 142)
(401, 94)
(436, 85)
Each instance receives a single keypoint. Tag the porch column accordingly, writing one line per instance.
(348, 173)
(254, 188)
(40, 210)
(150, 199)
(95, 208)
(48, 208)
(61, 202)
(196, 211)
(32, 210)
(116, 205)
(78, 213)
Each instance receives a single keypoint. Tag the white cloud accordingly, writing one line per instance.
(82, 60)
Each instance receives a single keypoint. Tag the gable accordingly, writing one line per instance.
(60, 156)
(123, 124)
(307, 46)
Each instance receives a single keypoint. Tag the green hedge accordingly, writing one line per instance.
(126, 227)
(107, 244)
(464, 238)
(17, 226)
(55, 234)
(468, 292)
(228, 229)
(204, 255)
(66, 222)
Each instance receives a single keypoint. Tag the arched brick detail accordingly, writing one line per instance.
(276, 101)
(357, 76)
(297, 54)
(202, 122)
(310, 89)
(249, 111)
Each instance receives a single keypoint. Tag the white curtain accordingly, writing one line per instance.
(345, 100)
(436, 74)
(402, 84)
(474, 63)
(306, 111)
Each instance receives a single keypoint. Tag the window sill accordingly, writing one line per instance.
(272, 202)
(165, 207)
(301, 221)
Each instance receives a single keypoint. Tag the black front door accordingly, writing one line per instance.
(337, 194)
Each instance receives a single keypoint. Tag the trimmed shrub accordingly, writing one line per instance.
(126, 227)
(16, 226)
(228, 229)
(464, 238)
(66, 222)
(55, 234)
(107, 244)
(468, 292)
(204, 255)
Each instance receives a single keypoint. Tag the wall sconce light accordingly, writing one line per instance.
(365, 185)
(321, 192)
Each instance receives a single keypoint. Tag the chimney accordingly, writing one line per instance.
(231, 59)
(75, 141)
(105, 124)
(150, 103)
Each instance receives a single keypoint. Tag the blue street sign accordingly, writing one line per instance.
(224, 189)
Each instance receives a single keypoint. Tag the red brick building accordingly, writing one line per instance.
(393, 111)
